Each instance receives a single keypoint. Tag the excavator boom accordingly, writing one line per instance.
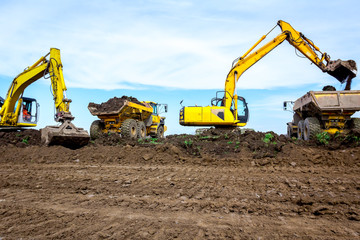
(15, 106)
(228, 113)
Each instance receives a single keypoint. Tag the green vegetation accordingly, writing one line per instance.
(148, 141)
(208, 137)
(154, 141)
(323, 138)
(26, 140)
(268, 137)
(204, 137)
(188, 143)
(353, 138)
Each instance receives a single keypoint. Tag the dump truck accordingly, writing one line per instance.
(128, 117)
(323, 111)
(18, 112)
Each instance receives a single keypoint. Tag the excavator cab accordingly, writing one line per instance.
(29, 111)
(242, 110)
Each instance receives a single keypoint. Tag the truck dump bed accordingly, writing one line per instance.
(123, 107)
(329, 101)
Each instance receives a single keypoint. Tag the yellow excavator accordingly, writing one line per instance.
(18, 112)
(229, 110)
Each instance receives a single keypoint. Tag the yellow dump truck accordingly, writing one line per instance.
(319, 111)
(131, 119)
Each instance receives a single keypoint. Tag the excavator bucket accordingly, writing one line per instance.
(67, 134)
(342, 70)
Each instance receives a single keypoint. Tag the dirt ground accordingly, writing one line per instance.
(217, 185)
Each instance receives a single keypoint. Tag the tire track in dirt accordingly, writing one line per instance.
(170, 191)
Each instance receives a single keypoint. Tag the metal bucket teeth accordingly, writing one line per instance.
(67, 134)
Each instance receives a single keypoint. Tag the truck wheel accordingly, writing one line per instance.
(141, 129)
(311, 128)
(129, 129)
(160, 132)
(355, 124)
(300, 130)
(96, 129)
(290, 132)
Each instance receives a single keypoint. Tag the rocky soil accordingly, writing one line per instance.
(216, 185)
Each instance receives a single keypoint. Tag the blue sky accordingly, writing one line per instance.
(168, 51)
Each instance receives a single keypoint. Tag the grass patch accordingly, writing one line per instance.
(323, 138)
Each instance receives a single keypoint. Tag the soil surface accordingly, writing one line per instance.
(216, 185)
(113, 104)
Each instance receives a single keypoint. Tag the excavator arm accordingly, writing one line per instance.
(226, 111)
(341, 70)
(49, 68)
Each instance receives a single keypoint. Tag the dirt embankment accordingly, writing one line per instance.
(217, 185)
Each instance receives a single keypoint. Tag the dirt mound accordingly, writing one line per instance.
(112, 139)
(21, 138)
(338, 141)
(224, 143)
(212, 141)
(113, 104)
(216, 185)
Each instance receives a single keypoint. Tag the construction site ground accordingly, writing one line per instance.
(217, 185)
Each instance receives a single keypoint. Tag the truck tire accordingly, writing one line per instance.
(160, 132)
(129, 129)
(96, 129)
(141, 129)
(355, 124)
(300, 130)
(311, 128)
(290, 132)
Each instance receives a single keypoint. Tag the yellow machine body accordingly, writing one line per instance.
(324, 111)
(131, 120)
(204, 116)
(12, 112)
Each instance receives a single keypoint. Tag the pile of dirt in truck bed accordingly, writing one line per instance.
(214, 185)
(113, 104)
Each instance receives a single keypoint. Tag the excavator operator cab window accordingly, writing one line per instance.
(1, 102)
(29, 111)
(243, 111)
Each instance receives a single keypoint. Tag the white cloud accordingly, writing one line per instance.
(190, 45)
